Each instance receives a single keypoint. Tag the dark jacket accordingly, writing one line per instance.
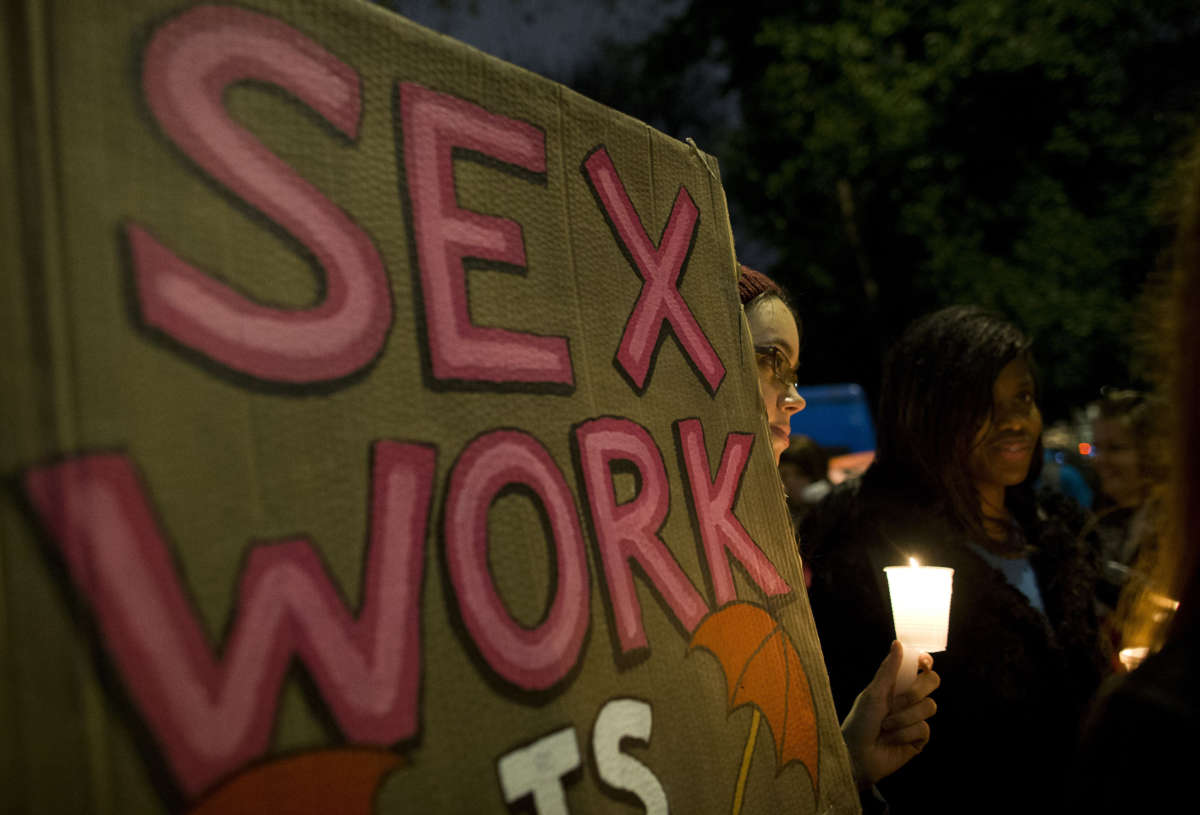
(1136, 754)
(1015, 681)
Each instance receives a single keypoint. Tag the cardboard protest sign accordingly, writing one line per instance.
(381, 431)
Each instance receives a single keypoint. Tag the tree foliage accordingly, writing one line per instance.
(899, 156)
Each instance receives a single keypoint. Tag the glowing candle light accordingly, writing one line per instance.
(1133, 657)
(920, 611)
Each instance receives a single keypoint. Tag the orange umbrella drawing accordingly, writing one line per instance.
(763, 670)
(339, 780)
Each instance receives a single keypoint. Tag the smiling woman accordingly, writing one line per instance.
(959, 448)
(1003, 446)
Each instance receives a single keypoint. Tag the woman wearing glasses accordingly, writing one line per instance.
(882, 734)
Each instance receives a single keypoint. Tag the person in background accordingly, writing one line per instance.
(1129, 462)
(958, 450)
(882, 732)
(1136, 753)
(804, 468)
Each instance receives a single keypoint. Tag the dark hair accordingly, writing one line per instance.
(936, 394)
(1115, 403)
(807, 456)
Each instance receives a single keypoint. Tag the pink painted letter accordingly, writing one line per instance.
(712, 500)
(190, 62)
(212, 708)
(435, 124)
(537, 658)
(660, 304)
(629, 531)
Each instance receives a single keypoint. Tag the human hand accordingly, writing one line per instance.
(883, 733)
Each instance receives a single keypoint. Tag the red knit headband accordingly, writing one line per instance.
(753, 284)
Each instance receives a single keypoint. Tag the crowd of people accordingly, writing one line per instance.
(1070, 668)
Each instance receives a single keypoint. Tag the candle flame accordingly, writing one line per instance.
(912, 561)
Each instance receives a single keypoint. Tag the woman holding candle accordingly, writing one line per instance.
(883, 730)
(959, 444)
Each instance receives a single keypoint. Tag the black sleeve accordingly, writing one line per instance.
(853, 621)
(1132, 757)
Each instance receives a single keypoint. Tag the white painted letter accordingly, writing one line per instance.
(621, 719)
(538, 770)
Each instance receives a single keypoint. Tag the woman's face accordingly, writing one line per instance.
(1117, 462)
(772, 326)
(1002, 449)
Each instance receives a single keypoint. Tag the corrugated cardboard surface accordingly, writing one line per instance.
(229, 461)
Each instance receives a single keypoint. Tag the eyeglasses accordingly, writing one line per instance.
(774, 358)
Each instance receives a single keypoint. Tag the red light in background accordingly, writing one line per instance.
(1085, 449)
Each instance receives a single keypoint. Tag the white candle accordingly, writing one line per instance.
(1133, 657)
(920, 611)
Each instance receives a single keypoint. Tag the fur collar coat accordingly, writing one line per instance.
(1015, 680)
